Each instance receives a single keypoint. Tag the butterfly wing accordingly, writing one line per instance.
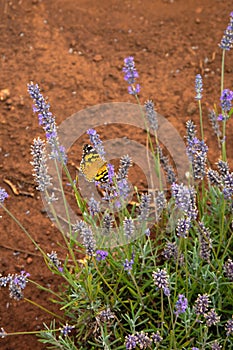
(93, 167)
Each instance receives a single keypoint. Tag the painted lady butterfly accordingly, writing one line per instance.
(93, 167)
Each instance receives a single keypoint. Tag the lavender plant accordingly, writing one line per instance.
(159, 290)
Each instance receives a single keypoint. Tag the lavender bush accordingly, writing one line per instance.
(160, 291)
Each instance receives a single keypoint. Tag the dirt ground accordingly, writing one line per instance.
(74, 50)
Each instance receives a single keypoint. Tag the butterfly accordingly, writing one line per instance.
(93, 167)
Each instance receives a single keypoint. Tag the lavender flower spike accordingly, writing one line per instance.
(3, 195)
(66, 329)
(101, 255)
(229, 327)
(226, 98)
(93, 206)
(144, 207)
(227, 39)
(185, 199)
(39, 164)
(128, 264)
(198, 87)
(212, 318)
(130, 71)
(87, 237)
(160, 278)
(47, 121)
(131, 75)
(125, 163)
(151, 115)
(181, 304)
(201, 304)
(97, 143)
(128, 225)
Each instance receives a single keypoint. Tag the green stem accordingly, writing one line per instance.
(187, 335)
(24, 230)
(162, 311)
(44, 309)
(108, 285)
(45, 289)
(172, 333)
(63, 197)
(138, 289)
(29, 332)
(222, 227)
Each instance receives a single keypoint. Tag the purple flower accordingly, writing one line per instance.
(229, 327)
(134, 90)
(130, 71)
(47, 121)
(143, 341)
(131, 75)
(123, 189)
(97, 143)
(101, 255)
(65, 330)
(226, 98)
(201, 304)
(15, 291)
(185, 199)
(59, 154)
(128, 264)
(4, 280)
(198, 87)
(39, 164)
(223, 167)
(156, 337)
(191, 130)
(214, 122)
(214, 177)
(228, 269)
(183, 227)
(139, 339)
(21, 280)
(222, 178)
(106, 224)
(205, 242)
(3, 195)
(130, 342)
(227, 39)
(160, 278)
(147, 232)
(197, 153)
(111, 172)
(88, 239)
(170, 251)
(151, 115)
(144, 207)
(93, 206)
(106, 316)
(181, 304)
(125, 163)
(212, 318)
(128, 226)
(53, 259)
(215, 346)
(16, 284)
